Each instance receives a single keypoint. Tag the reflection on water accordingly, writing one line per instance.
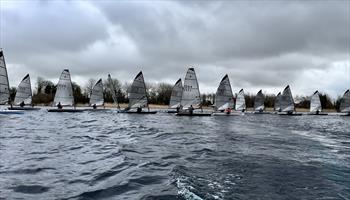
(106, 155)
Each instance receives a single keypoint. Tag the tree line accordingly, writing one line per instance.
(157, 94)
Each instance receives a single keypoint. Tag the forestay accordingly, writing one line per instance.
(137, 94)
(286, 100)
(24, 92)
(4, 82)
(176, 94)
(190, 92)
(224, 95)
(315, 103)
(277, 105)
(64, 92)
(259, 101)
(240, 101)
(345, 102)
(111, 87)
(96, 97)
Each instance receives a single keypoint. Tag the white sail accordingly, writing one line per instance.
(111, 87)
(4, 81)
(137, 94)
(224, 95)
(240, 101)
(176, 94)
(190, 92)
(24, 92)
(286, 100)
(345, 102)
(64, 92)
(96, 97)
(277, 105)
(315, 103)
(259, 101)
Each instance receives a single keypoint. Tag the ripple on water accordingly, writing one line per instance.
(30, 189)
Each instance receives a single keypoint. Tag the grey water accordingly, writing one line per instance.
(106, 155)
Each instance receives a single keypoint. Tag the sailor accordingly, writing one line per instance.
(139, 109)
(94, 106)
(22, 104)
(317, 112)
(228, 111)
(190, 109)
(9, 102)
(177, 109)
(59, 106)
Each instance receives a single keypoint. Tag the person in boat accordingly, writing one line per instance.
(178, 109)
(22, 104)
(317, 112)
(190, 110)
(59, 105)
(228, 111)
(139, 109)
(9, 102)
(94, 106)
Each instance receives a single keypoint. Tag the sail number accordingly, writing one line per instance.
(187, 88)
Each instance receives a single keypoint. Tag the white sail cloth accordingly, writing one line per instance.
(286, 100)
(190, 93)
(259, 101)
(137, 93)
(24, 92)
(224, 95)
(315, 103)
(240, 101)
(96, 97)
(4, 82)
(176, 95)
(111, 87)
(345, 102)
(277, 104)
(64, 92)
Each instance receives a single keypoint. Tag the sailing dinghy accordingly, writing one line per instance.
(191, 99)
(240, 102)
(138, 97)
(315, 105)
(5, 88)
(345, 104)
(113, 90)
(64, 95)
(286, 103)
(259, 106)
(96, 97)
(23, 98)
(175, 98)
(224, 99)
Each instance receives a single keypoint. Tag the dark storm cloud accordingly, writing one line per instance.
(259, 43)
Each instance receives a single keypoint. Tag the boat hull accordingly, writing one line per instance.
(226, 114)
(290, 114)
(317, 114)
(24, 108)
(171, 111)
(193, 114)
(140, 113)
(65, 110)
(96, 110)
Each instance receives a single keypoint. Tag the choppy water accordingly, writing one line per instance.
(105, 155)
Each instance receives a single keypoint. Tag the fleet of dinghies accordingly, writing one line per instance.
(185, 99)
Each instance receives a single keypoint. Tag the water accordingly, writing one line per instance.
(104, 155)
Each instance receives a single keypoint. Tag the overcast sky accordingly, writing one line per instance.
(259, 44)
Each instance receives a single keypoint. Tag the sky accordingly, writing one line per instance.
(260, 44)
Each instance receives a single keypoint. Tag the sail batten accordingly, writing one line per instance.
(137, 94)
(240, 101)
(259, 101)
(24, 92)
(224, 95)
(315, 103)
(287, 101)
(190, 92)
(4, 82)
(64, 92)
(345, 102)
(176, 94)
(96, 97)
